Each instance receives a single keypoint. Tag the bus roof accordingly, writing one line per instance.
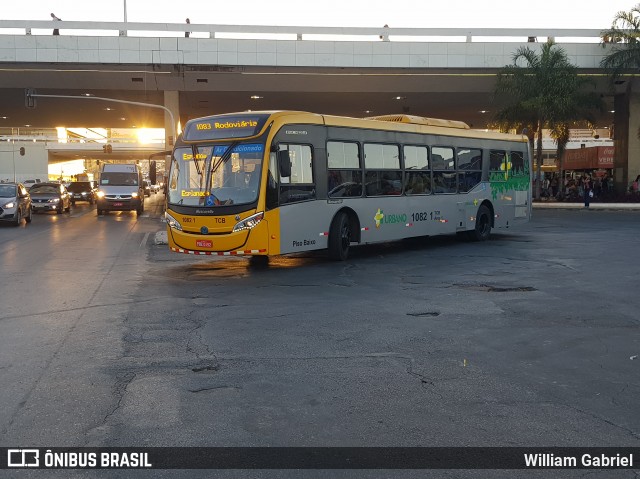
(398, 122)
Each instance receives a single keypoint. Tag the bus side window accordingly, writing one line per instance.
(469, 168)
(497, 165)
(444, 166)
(518, 167)
(417, 179)
(344, 173)
(383, 176)
(300, 185)
(272, 183)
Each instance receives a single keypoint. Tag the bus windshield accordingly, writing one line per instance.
(206, 176)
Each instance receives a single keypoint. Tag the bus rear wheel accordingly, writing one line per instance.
(482, 231)
(340, 237)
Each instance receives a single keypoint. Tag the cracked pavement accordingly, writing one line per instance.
(521, 341)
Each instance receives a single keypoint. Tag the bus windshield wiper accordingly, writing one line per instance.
(194, 152)
(225, 156)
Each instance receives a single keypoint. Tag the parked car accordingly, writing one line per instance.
(15, 203)
(155, 188)
(50, 197)
(82, 191)
(147, 188)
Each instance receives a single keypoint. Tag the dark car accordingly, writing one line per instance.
(15, 203)
(82, 191)
(50, 197)
(147, 188)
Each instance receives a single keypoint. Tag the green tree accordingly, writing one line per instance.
(543, 90)
(623, 38)
(623, 41)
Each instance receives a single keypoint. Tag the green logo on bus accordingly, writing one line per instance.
(392, 218)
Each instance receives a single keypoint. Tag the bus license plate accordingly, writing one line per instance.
(204, 244)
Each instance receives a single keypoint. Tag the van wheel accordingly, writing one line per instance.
(340, 237)
(482, 231)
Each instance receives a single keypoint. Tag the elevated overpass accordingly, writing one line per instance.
(446, 73)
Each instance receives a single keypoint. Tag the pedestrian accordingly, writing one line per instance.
(587, 190)
(635, 186)
(545, 187)
(56, 19)
(605, 184)
(385, 37)
(186, 34)
(554, 186)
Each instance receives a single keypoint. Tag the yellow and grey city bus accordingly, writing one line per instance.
(276, 182)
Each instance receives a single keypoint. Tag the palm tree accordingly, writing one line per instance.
(624, 39)
(543, 91)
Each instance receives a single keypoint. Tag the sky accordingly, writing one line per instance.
(590, 14)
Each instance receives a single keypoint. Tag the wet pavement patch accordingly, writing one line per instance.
(495, 289)
(206, 368)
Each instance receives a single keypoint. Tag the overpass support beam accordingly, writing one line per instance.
(171, 102)
(634, 134)
(627, 130)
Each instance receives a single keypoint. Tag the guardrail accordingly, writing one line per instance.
(82, 28)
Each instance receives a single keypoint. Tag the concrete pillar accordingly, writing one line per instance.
(627, 143)
(634, 132)
(172, 102)
(621, 142)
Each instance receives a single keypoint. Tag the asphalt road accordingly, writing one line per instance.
(530, 339)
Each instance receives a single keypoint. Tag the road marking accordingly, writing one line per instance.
(144, 240)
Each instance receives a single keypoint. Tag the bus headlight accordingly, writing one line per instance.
(172, 222)
(100, 194)
(249, 223)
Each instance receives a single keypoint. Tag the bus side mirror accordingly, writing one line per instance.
(284, 163)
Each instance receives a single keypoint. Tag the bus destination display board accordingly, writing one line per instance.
(219, 127)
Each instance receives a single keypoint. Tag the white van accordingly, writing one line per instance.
(120, 189)
(29, 183)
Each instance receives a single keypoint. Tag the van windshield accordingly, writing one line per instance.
(119, 179)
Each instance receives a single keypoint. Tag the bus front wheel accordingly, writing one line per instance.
(482, 231)
(340, 237)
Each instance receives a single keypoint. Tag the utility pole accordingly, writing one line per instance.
(13, 153)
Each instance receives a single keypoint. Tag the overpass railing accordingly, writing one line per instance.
(83, 28)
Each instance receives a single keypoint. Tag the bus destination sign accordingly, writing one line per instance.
(220, 127)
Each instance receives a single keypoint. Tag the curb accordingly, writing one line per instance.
(592, 206)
